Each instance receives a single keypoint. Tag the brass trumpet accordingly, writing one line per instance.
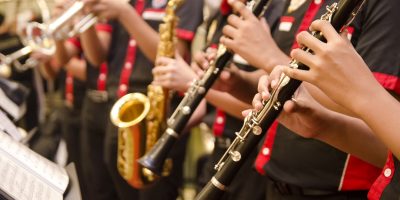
(41, 36)
(6, 61)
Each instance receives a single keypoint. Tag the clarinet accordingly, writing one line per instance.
(339, 14)
(154, 160)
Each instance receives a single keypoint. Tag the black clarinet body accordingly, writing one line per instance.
(257, 123)
(155, 158)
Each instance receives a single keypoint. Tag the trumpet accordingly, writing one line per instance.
(41, 36)
(6, 61)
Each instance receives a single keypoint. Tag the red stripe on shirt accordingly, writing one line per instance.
(104, 27)
(130, 57)
(219, 123)
(308, 19)
(263, 157)
(389, 82)
(382, 181)
(69, 89)
(157, 10)
(75, 41)
(225, 7)
(184, 34)
(102, 78)
(287, 19)
(358, 175)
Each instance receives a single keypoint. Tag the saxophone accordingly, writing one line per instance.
(141, 119)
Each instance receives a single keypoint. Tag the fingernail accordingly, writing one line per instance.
(258, 106)
(265, 95)
(273, 83)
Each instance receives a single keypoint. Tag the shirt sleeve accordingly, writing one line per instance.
(76, 42)
(191, 16)
(378, 42)
(105, 27)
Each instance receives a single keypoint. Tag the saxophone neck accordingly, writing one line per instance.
(166, 47)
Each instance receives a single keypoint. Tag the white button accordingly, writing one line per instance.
(123, 87)
(128, 65)
(102, 77)
(387, 172)
(132, 43)
(317, 1)
(220, 120)
(265, 151)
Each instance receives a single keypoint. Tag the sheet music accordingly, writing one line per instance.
(27, 175)
(7, 126)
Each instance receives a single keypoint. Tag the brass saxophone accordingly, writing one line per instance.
(141, 119)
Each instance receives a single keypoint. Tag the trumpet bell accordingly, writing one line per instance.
(38, 38)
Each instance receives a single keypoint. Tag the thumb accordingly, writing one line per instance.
(245, 113)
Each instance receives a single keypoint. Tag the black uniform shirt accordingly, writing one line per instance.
(308, 163)
(141, 76)
(93, 73)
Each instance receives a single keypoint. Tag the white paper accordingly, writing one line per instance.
(27, 175)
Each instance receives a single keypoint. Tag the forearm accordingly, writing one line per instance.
(324, 100)
(227, 103)
(246, 85)
(146, 38)
(49, 70)
(62, 55)
(382, 113)
(95, 50)
(77, 67)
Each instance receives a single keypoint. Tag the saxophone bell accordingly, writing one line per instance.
(128, 114)
(133, 145)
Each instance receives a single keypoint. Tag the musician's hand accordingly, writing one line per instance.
(251, 38)
(335, 67)
(107, 9)
(202, 60)
(174, 74)
(228, 79)
(60, 6)
(40, 57)
(303, 115)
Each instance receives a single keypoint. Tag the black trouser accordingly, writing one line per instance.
(247, 184)
(94, 120)
(166, 188)
(279, 191)
(71, 129)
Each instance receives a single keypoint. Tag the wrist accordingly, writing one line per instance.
(370, 96)
(275, 58)
(123, 10)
